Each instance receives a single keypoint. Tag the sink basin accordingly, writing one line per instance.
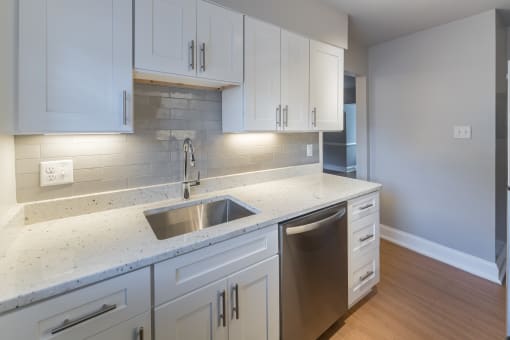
(173, 221)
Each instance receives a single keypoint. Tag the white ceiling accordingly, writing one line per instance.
(375, 21)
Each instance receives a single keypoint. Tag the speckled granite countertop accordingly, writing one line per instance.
(46, 259)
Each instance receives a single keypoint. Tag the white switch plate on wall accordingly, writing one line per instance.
(309, 150)
(56, 173)
(462, 132)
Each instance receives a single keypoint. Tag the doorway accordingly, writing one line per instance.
(345, 153)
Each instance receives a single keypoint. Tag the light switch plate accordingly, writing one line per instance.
(462, 132)
(56, 173)
(309, 150)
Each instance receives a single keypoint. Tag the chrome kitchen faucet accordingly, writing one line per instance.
(187, 184)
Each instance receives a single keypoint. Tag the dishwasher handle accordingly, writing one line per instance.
(316, 225)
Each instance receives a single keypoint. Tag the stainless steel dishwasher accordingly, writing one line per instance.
(313, 272)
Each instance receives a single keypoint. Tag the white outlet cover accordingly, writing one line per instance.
(462, 132)
(309, 150)
(56, 173)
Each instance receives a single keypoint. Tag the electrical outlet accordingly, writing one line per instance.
(56, 173)
(309, 150)
(462, 132)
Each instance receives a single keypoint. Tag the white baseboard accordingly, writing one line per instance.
(469, 263)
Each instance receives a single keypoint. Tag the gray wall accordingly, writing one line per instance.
(153, 155)
(420, 86)
(356, 57)
(311, 18)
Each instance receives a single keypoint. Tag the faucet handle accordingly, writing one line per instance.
(195, 182)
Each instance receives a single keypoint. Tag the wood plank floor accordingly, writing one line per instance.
(420, 298)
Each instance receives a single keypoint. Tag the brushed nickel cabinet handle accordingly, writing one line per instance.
(368, 237)
(235, 300)
(286, 116)
(366, 276)
(124, 107)
(202, 64)
(192, 54)
(71, 323)
(365, 207)
(314, 117)
(279, 116)
(222, 320)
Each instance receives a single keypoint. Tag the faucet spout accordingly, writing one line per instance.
(187, 184)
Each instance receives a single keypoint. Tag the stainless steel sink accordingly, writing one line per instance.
(170, 221)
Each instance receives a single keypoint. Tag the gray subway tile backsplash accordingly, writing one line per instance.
(164, 117)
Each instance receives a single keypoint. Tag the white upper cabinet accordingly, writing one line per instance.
(295, 77)
(290, 84)
(165, 36)
(326, 86)
(220, 43)
(75, 66)
(262, 106)
(189, 42)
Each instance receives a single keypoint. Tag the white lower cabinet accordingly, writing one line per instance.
(363, 247)
(254, 302)
(241, 304)
(198, 315)
(138, 328)
(118, 308)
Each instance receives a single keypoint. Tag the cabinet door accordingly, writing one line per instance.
(165, 36)
(138, 328)
(75, 66)
(220, 43)
(295, 81)
(254, 307)
(326, 86)
(199, 315)
(262, 76)
(83, 313)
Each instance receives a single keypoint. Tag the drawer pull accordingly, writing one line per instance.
(366, 276)
(71, 323)
(222, 318)
(366, 238)
(235, 301)
(365, 207)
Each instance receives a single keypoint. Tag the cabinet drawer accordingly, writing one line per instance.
(364, 234)
(188, 272)
(84, 312)
(363, 206)
(363, 276)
